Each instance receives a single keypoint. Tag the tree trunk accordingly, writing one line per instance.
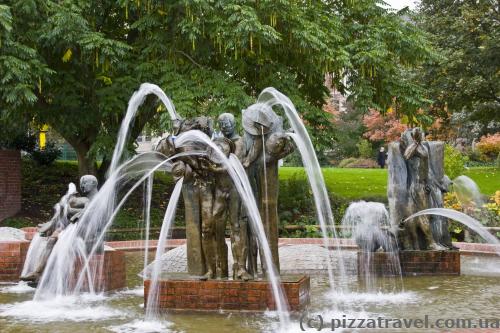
(103, 168)
(86, 165)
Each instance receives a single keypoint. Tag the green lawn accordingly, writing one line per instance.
(488, 179)
(366, 183)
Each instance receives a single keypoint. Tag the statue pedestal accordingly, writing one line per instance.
(182, 292)
(413, 263)
(12, 255)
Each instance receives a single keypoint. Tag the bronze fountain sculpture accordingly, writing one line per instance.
(417, 182)
(211, 200)
(69, 211)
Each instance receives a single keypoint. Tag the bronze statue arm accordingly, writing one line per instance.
(254, 153)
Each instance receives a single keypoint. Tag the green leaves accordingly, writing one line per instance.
(466, 77)
(210, 56)
(5, 18)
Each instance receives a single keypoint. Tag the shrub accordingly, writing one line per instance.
(346, 161)
(46, 156)
(488, 214)
(489, 146)
(295, 199)
(364, 149)
(454, 162)
(351, 162)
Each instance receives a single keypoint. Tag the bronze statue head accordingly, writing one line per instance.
(166, 146)
(88, 184)
(258, 119)
(201, 123)
(418, 135)
(227, 124)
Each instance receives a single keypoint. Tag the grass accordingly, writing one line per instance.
(488, 179)
(43, 187)
(358, 184)
(348, 183)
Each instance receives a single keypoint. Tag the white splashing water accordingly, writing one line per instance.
(133, 105)
(63, 308)
(467, 192)
(147, 216)
(369, 226)
(72, 245)
(18, 288)
(34, 255)
(38, 244)
(379, 298)
(143, 326)
(152, 311)
(271, 97)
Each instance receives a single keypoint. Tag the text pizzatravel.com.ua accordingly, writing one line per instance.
(318, 322)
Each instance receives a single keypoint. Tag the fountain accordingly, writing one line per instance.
(419, 223)
(207, 173)
(416, 182)
(231, 182)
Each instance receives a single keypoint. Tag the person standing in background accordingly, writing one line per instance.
(381, 157)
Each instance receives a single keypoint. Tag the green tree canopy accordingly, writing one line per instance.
(466, 78)
(74, 64)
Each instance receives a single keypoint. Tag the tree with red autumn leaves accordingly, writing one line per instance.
(380, 127)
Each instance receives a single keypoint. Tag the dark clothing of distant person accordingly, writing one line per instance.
(382, 156)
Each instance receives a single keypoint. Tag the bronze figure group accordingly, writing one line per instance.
(212, 202)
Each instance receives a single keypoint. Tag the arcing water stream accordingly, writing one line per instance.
(465, 219)
(272, 97)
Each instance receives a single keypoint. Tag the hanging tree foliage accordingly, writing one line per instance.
(74, 64)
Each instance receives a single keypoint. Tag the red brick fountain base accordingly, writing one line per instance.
(114, 270)
(12, 255)
(413, 263)
(190, 294)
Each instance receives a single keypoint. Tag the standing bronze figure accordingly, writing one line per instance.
(416, 182)
(228, 207)
(266, 143)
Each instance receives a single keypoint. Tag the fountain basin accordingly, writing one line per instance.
(413, 263)
(181, 292)
(113, 274)
(12, 255)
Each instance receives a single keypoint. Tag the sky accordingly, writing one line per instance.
(398, 4)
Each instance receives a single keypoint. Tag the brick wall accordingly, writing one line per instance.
(10, 183)
(213, 295)
(413, 263)
(12, 255)
(110, 269)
